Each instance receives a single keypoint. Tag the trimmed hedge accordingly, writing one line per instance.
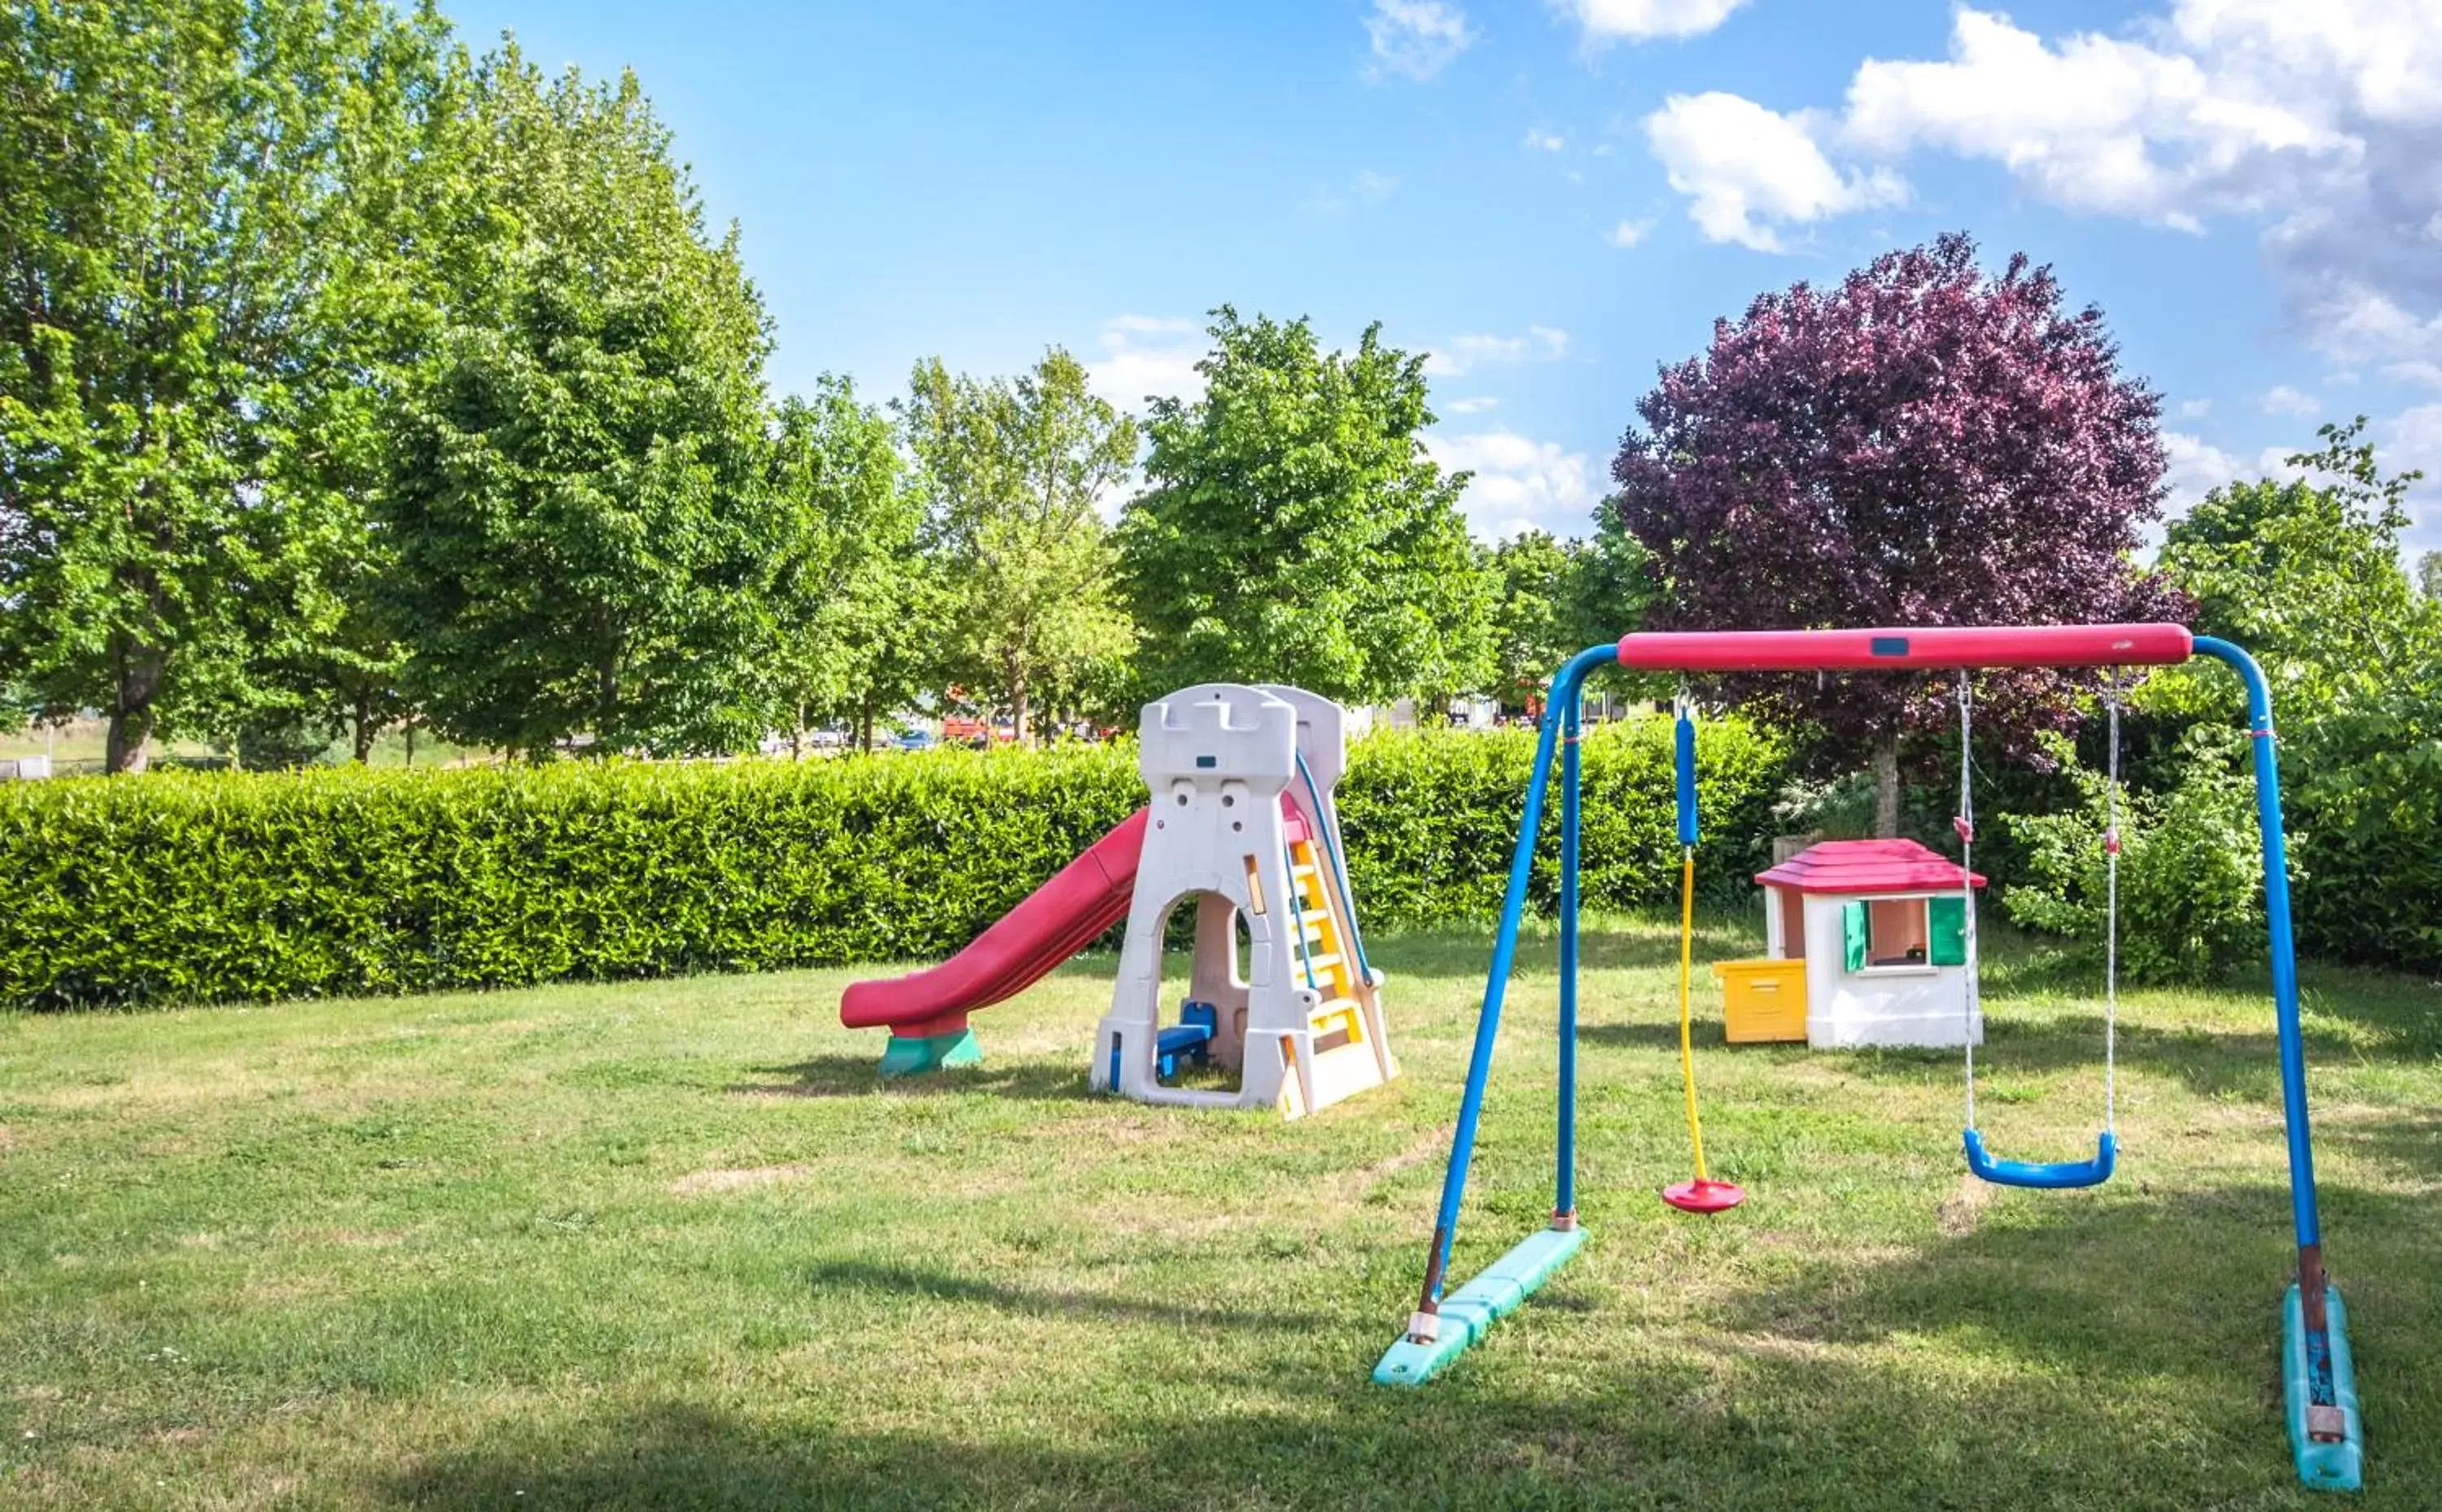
(202, 887)
(1432, 819)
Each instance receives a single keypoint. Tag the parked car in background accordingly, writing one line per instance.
(919, 739)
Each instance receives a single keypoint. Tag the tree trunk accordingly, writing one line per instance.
(128, 747)
(364, 720)
(865, 728)
(797, 735)
(410, 742)
(1016, 706)
(606, 704)
(1886, 786)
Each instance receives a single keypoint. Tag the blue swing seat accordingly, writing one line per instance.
(2053, 1173)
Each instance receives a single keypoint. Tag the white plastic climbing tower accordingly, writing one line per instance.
(1243, 824)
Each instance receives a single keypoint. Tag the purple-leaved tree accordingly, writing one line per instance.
(1921, 444)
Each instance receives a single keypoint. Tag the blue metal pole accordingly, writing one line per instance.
(2326, 1436)
(1564, 1201)
(1504, 950)
(2284, 960)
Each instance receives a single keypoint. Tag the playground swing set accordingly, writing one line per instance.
(1243, 821)
(2319, 1380)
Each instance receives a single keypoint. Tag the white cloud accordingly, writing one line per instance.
(2354, 322)
(1473, 404)
(1742, 166)
(2413, 439)
(1148, 355)
(1518, 484)
(1628, 233)
(2281, 399)
(1415, 39)
(1372, 187)
(2320, 122)
(1543, 141)
(2194, 409)
(1603, 22)
(2197, 467)
(2273, 461)
(1542, 343)
(2095, 124)
(1366, 186)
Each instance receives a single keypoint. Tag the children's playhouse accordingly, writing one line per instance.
(1281, 1005)
(1865, 943)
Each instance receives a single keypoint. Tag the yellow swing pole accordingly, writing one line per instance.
(1686, 967)
(1703, 1195)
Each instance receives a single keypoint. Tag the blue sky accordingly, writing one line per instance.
(1554, 197)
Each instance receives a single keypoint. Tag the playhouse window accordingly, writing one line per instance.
(1895, 931)
(1904, 933)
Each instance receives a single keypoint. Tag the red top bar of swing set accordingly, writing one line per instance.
(1892, 649)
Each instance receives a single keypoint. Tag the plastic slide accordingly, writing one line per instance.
(926, 1011)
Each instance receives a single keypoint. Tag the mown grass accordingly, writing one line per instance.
(671, 1244)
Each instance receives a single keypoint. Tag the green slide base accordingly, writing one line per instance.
(911, 1057)
(2322, 1467)
(1468, 1313)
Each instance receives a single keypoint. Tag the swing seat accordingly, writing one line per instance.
(2047, 1175)
(1703, 1196)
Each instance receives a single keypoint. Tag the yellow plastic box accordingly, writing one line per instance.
(1762, 999)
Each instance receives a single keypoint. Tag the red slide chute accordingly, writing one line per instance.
(1056, 920)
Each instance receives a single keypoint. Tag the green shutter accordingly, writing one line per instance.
(1946, 923)
(1853, 935)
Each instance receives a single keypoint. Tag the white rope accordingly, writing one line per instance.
(2110, 907)
(1966, 823)
(2111, 917)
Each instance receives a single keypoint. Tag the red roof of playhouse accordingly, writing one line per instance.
(1867, 866)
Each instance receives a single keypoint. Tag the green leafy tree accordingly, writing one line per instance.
(1011, 472)
(899, 656)
(580, 498)
(2429, 575)
(840, 590)
(187, 214)
(2191, 869)
(1612, 589)
(1537, 614)
(2304, 573)
(1294, 530)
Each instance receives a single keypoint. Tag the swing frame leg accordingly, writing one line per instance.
(2319, 1376)
(1442, 1327)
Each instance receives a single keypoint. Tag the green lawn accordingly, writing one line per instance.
(670, 1245)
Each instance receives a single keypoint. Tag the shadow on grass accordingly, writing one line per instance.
(2024, 1286)
(2410, 1140)
(829, 1076)
(2217, 1064)
(2097, 1374)
(908, 1281)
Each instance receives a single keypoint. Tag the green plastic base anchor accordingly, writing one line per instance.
(2322, 1465)
(912, 1056)
(1468, 1313)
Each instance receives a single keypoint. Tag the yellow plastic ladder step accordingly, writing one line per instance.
(1336, 1023)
